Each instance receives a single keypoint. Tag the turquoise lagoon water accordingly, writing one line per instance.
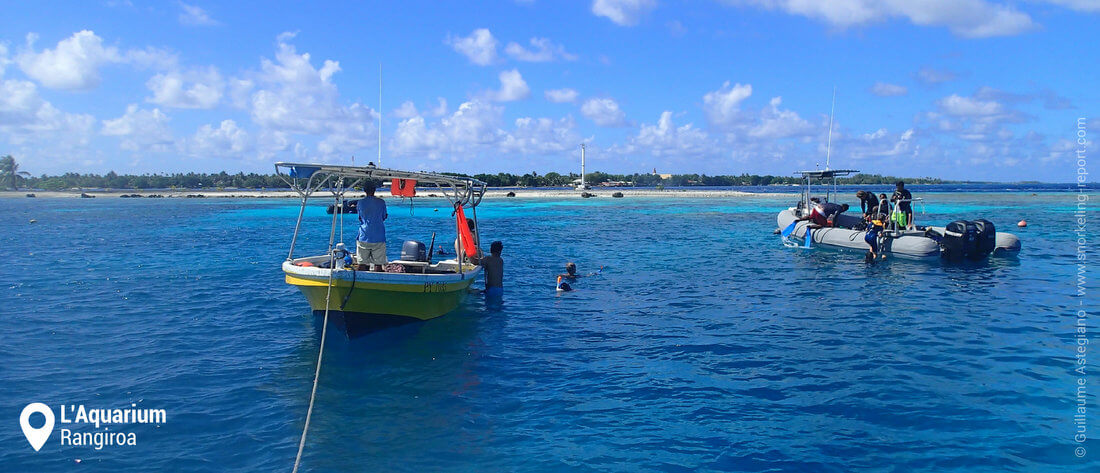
(703, 345)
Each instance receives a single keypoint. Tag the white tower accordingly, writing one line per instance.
(583, 185)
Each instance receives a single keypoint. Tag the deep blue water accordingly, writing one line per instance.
(703, 345)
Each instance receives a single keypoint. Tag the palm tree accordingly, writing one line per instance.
(10, 173)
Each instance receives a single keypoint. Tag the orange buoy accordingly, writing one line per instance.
(1022, 224)
(304, 264)
(464, 233)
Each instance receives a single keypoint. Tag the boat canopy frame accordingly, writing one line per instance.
(822, 176)
(309, 178)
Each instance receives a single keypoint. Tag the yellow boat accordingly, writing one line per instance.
(371, 300)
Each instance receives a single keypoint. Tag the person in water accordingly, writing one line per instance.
(494, 270)
(903, 200)
(874, 229)
(370, 245)
(824, 214)
(867, 203)
(563, 286)
(570, 271)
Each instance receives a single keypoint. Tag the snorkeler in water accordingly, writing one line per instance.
(571, 272)
(563, 286)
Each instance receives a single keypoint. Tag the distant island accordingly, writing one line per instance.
(241, 180)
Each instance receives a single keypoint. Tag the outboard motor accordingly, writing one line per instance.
(347, 207)
(960, 239)
(987, 238)
(413, 251)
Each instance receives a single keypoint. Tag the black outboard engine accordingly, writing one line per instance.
(960, 239)
(348, 207)
(987, 238)
(413, 251)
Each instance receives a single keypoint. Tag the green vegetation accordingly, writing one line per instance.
(223, 180)
(10, 175)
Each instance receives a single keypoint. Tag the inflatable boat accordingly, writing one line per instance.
(957, 240)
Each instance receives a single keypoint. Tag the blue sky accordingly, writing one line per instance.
(963, 89)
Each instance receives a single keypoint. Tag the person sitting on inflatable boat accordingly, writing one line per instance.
(824, 214)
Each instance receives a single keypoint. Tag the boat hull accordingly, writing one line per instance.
(911, 246)
(386, 298)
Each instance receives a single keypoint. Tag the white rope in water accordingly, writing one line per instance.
(324, 331)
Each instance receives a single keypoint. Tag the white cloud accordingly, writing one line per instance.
(200, 88)
(542, 50)
(152, 58)
(406, 110)
(623, 12)
(440, 109)
(475, 128)
(27, 119)
(195, 16)
(292, 97)
(880, 143)
(512, 88)
(883, 89)
(73, 64)
(722, 106)
(665, 139)
(4, 59)
(140, 130)
(227, 140)
(969, 107)
(777, 123)
(540, 136)
(1079, 5)
(561, 95)
(35, 130)
(967, 18)
(604, 112)
(480, 47)
(929, 76)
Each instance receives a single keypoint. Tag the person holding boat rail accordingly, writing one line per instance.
(903, 199)
(370, 245)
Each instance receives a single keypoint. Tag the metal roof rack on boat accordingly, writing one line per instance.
(307, 178)
(827, 173)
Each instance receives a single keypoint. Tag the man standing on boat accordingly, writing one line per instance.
(371, 244)
(903, 201)
(867, 203)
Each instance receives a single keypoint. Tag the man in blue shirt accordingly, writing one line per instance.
(370, 246)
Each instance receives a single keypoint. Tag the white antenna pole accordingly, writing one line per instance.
(829, 147)
(582, 166)
(379, 114)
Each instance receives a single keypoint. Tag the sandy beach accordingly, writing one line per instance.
(492, 193)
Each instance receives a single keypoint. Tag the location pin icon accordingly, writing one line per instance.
(37, 437)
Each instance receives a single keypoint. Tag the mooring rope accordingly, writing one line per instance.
(324, 331)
